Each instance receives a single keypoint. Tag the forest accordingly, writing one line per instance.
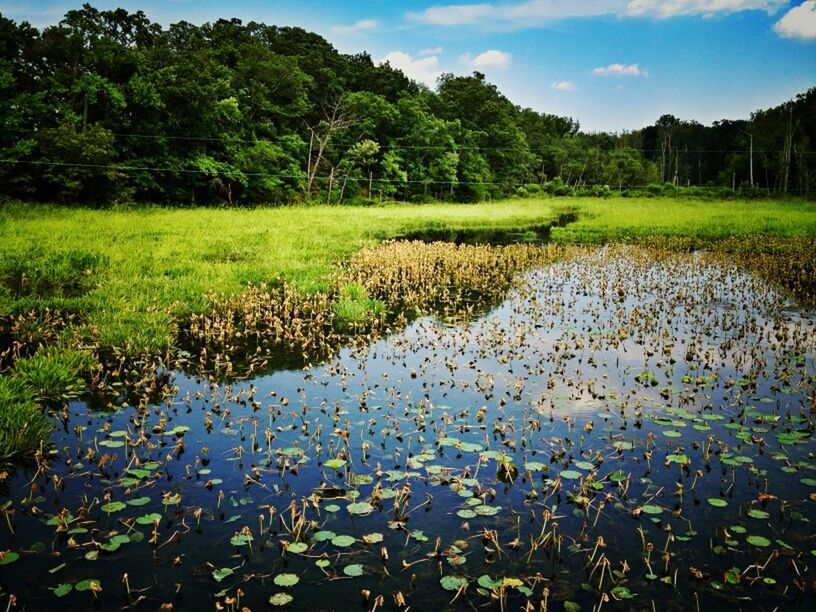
(109, 108)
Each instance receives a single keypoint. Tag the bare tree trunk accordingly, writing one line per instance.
(331, 185)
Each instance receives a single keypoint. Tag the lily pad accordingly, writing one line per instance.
(453, 583)
(286, 580)
(281, 599)
(353, 570)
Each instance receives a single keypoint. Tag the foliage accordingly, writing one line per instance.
(22, 423)
(54, 373)
(107, 107)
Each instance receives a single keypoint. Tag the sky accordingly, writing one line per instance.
(613, 65)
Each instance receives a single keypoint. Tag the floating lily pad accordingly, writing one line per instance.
(758, 541)
(717, 502)
(115, 506)
(63, 589)
(281, 599)
(359, 508)
(453, 583)
(221, 573)
(353, 570)
(343, 541)
(297, 547)
(286, 580)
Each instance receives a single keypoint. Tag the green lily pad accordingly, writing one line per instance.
(85, 585)
(286, 580)
(63, 589)
(343, 541)
(281, 599)
(335, 464)
(115, 506)
(717, 502)
(353, 570)
(9, 558)
(453, 583)
(297, 547)
(221, 573)
(758, 541)
(359, 508)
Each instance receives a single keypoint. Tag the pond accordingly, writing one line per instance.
(627, 429)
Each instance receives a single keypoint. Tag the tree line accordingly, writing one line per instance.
(108, 107)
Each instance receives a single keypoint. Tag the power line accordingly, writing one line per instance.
(541, 149)
(337, 179)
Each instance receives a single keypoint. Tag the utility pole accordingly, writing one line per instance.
(751, 154)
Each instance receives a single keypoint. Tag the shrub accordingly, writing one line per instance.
(23, 425)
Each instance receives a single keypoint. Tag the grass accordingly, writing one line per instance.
(620, 220)
(23, 425)
(158, 265)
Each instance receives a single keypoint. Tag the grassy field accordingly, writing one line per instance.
(620, 220)
(133, 274)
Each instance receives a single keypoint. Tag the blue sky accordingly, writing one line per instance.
(611, 64)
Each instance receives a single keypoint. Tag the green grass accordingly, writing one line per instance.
(158, 264)
(621, 219)
(23, 425)
(132, 274)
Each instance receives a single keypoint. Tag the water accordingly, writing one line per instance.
(631, 392)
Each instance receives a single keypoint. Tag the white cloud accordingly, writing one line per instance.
(425, 70)
(431, 51)
(527, 13)
(360, 26)
(708, 8)
(620, 70)
(563, 86)
(489, 59)
(799, 22)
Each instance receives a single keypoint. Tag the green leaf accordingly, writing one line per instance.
(453, 583)
(286, 580)
(343, 541)
(9, 558)
(63, 589)
(335, 464)
(221, 573)
(138, 501)
(360, 508)
(353, 570)
(486, 582)
(85, 585)
(758, 514)
(280, 599)
(717, 502)
(149, 519)
(652, 509)
(758, 541)
(115, 506)
(297, 547)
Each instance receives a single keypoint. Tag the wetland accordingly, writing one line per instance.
(526, 426)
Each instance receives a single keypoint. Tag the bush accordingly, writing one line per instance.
(23, 426)
(53, 374)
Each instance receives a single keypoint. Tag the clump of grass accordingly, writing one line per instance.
(57, 274)
(354, 308)
(22, 423)
(54, 373)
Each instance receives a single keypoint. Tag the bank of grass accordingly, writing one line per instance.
(154, 266)
(623, 219)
